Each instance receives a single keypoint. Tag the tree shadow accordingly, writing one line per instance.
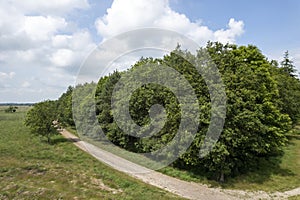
(60, 139)
(57, 140)
(265, 168)
(263, 172)
(258, 173)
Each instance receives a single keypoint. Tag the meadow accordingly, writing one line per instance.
(32, 169)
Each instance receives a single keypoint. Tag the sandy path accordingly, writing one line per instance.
(189, 190)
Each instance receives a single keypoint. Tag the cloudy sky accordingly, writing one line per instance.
(43, 43)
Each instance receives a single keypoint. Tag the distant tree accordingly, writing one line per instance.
(40, 119)
(83, 110)
(287, 65)
(64, 108)
(289, 88)
(11, 109)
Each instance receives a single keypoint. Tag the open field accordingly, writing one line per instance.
(32, 169)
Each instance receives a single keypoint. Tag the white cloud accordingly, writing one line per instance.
(235, 29)
(76, 41)
(42, 28)
(70, 50)
(4, 75)
(38, 40)
(25, 84)
(62, 57)
(127, 15)
(61, 41)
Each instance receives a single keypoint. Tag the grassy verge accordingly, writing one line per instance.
(32, 169)
(71, 130)
(277, 174)
(271, 177)
(294, 197)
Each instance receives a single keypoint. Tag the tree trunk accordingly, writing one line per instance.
(48, 139)
(222, 177)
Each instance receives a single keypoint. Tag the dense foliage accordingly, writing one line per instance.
(64, 108)
(262, 105)
(289, 87)
(259, 108)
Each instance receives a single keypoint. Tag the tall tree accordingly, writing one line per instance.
(287, 65)
(289, 88)
(254, 125)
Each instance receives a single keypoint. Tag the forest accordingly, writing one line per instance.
(262, 106)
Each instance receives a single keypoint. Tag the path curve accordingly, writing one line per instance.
(189, 190)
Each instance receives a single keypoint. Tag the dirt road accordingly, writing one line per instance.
(189, 190)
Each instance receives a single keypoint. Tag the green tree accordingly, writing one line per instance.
(11, 109)
(287, 65)
(83, 110)
(64, 108)
(289, 88)
(254, 126)
(40, 119)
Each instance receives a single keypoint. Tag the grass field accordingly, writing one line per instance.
(33, 169)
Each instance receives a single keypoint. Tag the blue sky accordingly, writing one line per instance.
(272, 25)
(43, 43)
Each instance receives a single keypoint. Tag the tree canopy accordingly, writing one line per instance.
(262, 106)
(257, 115)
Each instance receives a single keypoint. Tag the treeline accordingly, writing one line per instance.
(16, 104)
(262, 106)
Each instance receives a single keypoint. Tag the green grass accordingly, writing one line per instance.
(71, 130)
(32, 169)
(294, 197)
(20, 108)
(273, 177)
(296, 130)
(278, 174)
